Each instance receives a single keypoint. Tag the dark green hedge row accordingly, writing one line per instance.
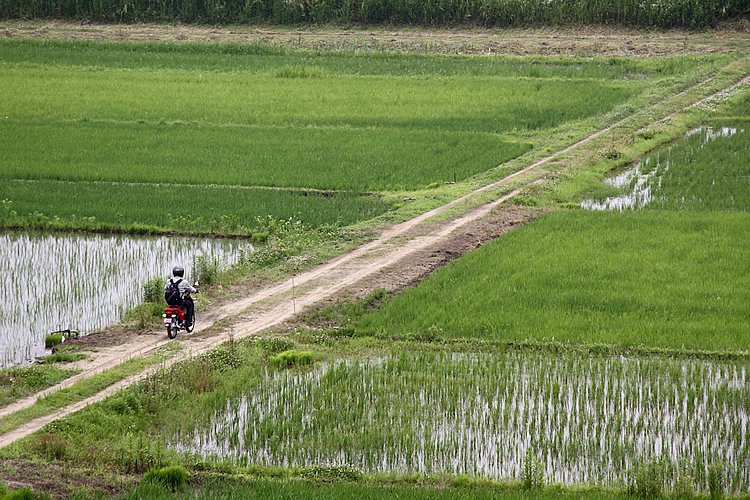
(499, 13)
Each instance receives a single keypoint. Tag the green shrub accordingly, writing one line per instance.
(173, 477)
(292, 357)
(153, 291)
(53, 339)
(206, 269)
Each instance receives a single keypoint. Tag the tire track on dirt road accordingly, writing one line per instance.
(282, 303)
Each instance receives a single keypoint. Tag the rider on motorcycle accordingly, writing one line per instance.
(186, 302)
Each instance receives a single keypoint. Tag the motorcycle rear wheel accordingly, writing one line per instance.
(172, 329)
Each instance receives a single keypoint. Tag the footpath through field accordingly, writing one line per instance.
(276, 304)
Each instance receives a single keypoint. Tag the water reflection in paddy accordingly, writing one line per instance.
(82, 282)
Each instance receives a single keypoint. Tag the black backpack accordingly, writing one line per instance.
(172, 293)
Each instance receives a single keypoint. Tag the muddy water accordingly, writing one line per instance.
(640, 182)
(588, 419)
(82, 282)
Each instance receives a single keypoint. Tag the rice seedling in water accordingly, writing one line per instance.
(84, 283)
(575, 419)
(703, 171)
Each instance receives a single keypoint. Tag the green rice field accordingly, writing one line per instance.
(587, 419)
(492, 13)
(600, 350)
(88, 120)
(670, 274)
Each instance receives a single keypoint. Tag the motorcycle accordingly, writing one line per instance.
(175, 318)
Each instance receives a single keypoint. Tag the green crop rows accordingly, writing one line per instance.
(670, 275)
(599, 348)
(478, 413)
(89, 120)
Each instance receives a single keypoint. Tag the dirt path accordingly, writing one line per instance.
(276, 304)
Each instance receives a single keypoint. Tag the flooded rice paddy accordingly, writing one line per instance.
(589, 419)
(82, 282)
(643, 182)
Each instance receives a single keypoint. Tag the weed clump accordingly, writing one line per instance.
(24, 494)
(173, 477)
(275, 345)
(332, 473)
(532, 473)
(140, 454)
(153, 290)
(716, 481)
(288, 359)
(206, 269)
(646, 480)
(51, 446)
(53, 339)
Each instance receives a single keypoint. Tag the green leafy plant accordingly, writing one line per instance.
(290, 358)
(53, 339)
(206, 269)
(173, 477)
(153, 290)
(532, 472)
(716, 481)
(646, 479)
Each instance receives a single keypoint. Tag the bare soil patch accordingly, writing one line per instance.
(113, 336)
(59, 479)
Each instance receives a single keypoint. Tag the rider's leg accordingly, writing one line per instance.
(188, 306)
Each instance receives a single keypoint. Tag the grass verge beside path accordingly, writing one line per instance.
(77, 392)
(17, 383)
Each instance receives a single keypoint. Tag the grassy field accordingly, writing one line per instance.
(155, 207)
(93, 115)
